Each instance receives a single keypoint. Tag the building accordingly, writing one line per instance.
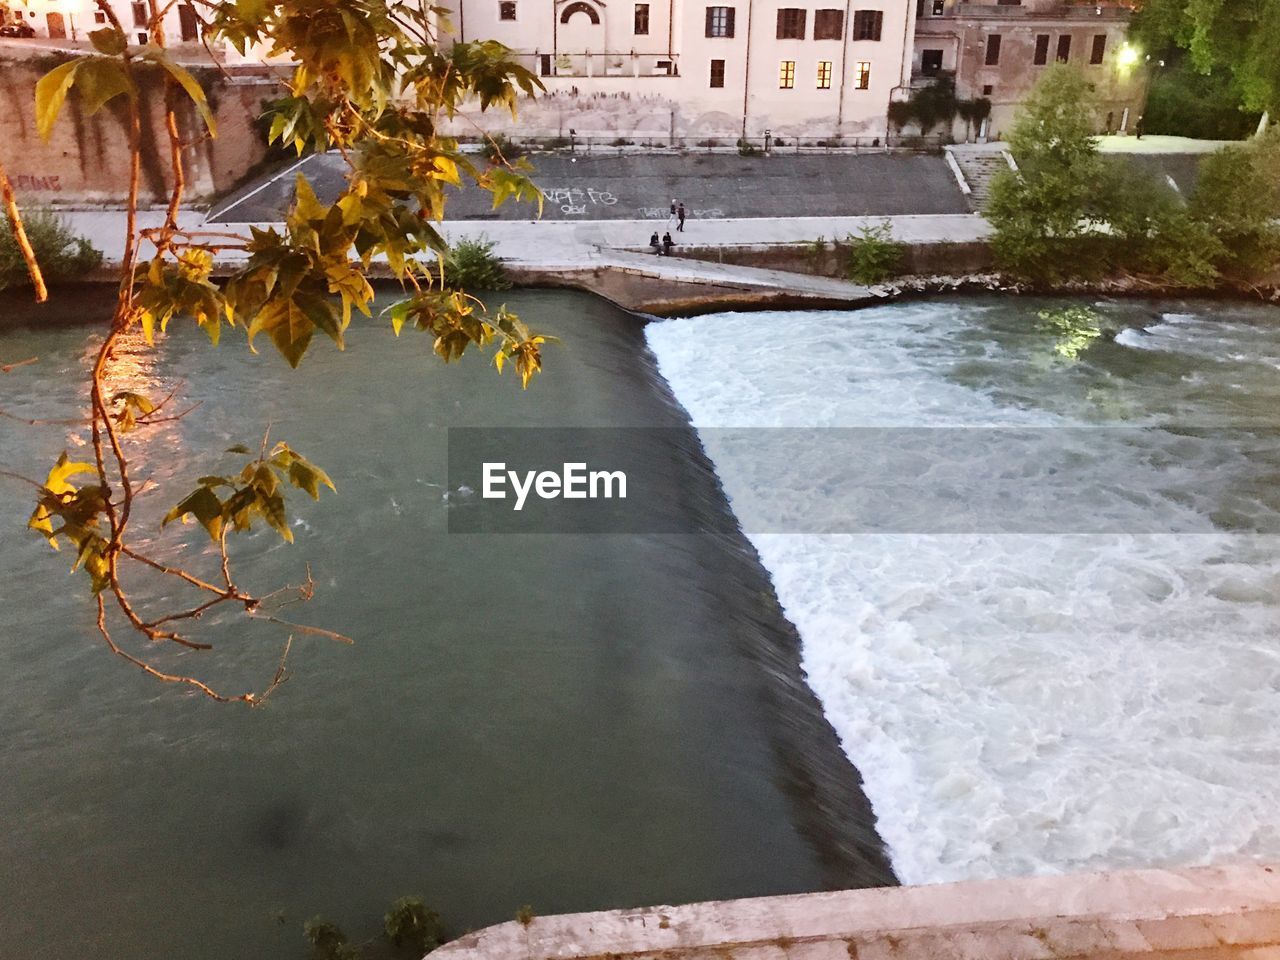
(75, 19)
(997, 49)
(675, 68)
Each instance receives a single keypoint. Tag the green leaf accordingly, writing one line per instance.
(51, 92)
(108, 40)
(203, 504)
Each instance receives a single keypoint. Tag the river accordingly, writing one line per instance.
(570, 722)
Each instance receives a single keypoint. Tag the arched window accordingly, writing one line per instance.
(580, 7)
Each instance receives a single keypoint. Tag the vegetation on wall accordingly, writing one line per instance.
(873, 255)
(937, 103)
(1067, 214)
(372, 84)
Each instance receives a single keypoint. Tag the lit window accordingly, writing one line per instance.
(507, 10)
(824, 74)
(642, 19)
(828, 25)
(867, 24)
(862, 75)
(720, 21)
(717, 73)
(791, 23)
(787, 75)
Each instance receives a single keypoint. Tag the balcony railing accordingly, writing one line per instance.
(1029, 12)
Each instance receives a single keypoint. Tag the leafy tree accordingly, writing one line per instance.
(1041, 211)
(471, 265)
(61, 254)
(1237, 199)
(371, 82)
(1184, 102)
(1237, 37)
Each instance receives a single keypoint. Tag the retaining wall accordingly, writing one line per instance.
(1209, 913)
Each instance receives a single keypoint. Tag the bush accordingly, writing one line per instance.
(746, 149)
(1237, 198)
(409, 924)
(328, 942)
(62, 254)
(874, 256)
(471, 265)
(498, 148)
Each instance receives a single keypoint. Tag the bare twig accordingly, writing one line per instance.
(20, 237)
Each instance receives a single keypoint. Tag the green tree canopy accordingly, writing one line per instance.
(1239, 37)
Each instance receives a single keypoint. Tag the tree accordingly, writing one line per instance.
(1239, 37)
(372, 82)
(1041, 211)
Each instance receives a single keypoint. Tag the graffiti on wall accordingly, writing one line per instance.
(664, 213)
(27, 181)
(575, 200)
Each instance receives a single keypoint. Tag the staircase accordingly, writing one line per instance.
(980, 167)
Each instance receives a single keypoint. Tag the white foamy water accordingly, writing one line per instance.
(1034, 703)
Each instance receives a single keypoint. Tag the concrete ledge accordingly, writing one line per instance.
(1209, 913)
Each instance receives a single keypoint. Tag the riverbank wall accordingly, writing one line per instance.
(1206, 913)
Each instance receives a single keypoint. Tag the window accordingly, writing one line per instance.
(1008, 3)
(720, 21)
(142, 36)
(791, 23)
(987, 90)
(1042, 50)
(993, 50)
(98, 16)
(828, 25)
(939, 7)
(642, 20)
(867, 24)
(1099, 48)
(862, 75)
(930, 62)
(717, 73)
(824, 74)
(544, 65)
(1064, 48)
(507, 10)
(786, 75)
(139, 14)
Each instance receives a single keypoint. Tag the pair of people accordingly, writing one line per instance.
(677, 211)
(662, 248)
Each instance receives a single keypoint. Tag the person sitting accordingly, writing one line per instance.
(667, 243)
(653, 242)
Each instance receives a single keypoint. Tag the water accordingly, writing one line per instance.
(572, 722)
(1023, 704)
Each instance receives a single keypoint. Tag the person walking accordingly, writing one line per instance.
(673, 206)
(680, 214)
(667, 243)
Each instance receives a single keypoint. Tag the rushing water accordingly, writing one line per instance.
(1040, 702)
(572, 722)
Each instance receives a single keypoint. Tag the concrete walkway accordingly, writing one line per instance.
(1208, 913)
(611, 257)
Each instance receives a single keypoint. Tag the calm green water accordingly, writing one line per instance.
(573, 722)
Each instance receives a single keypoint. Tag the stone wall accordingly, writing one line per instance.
(86, 160)
(1208, 913)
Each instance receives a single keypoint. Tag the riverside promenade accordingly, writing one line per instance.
(611, 258)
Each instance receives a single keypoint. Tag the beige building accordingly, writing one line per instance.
(75, 19)
(998, 50)
(690, 68)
